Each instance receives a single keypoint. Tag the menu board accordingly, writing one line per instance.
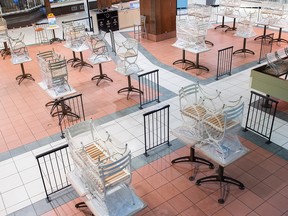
(51, 19)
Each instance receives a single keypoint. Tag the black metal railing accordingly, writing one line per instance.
(69, 110)
(156, 128)
(224, 62)
(149, 85)
(88, 22)
(266, 46)
(53, 166)
(261, 115)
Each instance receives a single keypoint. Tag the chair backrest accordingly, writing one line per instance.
(58, 69)
(274, 63)
(131, 45)
(115, 172)
(188, 95)
(219, 124)
(143, 20)
(18, 48)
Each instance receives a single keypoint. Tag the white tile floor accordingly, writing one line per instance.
(20, 182)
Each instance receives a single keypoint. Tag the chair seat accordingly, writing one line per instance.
(94, 152)
(127, 54)
(217, 122)
(39, 29)
(197, 112)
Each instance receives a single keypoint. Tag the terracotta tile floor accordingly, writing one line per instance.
(165, 188)
(23, 115)
(25, 119)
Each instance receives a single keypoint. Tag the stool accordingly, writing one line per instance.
(140, 28)
(40, 34)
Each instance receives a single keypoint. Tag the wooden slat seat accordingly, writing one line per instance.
(197, 112)
(218, 122)
(94, 152)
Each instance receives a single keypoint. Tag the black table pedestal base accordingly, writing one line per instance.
(222, 179)
(130, 88)
(101, 76)
(24, 75)
(193, 159)
(244, 50)
(183, 60)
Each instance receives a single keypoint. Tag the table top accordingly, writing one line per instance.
(253, 34)
(52, 93)
(81, 48)
(99, 60)
(197, 50)
(53, 27)
(20, 59)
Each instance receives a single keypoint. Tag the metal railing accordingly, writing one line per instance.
(261, 115)
(224, 62)
(156, 128)
(266, 46)
(149, 85)
(69, 110)
(53, 166)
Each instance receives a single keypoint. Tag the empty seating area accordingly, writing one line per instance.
(210, 166)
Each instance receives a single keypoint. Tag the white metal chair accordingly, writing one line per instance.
(3, 38)
(40, 33)
(127, 51)
(223, 145)
(59, 76)
(19, 51)
(102, 165)
(246, 22)
(275, 64)
(195, 103)
(140, 28)
(98, 47)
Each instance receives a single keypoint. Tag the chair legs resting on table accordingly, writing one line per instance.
(192, 158)
(221, 178)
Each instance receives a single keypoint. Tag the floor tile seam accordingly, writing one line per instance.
(161, 156)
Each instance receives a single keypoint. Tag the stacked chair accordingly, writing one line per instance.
(127, 52)
(211, 127)
(277, 63)
(75, 36)
(103, 167)
(54, 72)
(19, 51)
(99, 48)
(192, 31)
